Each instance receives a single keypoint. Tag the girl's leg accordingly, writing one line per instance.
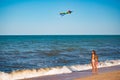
(93, 67)
(96, 68)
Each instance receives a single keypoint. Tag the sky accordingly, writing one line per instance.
(41, 17)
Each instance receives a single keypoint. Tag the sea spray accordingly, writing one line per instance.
(28, 73)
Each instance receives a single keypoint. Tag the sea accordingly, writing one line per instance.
(32, 52)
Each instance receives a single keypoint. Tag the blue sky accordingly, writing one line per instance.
(41, 17)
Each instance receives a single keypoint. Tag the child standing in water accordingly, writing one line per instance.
(94, 61)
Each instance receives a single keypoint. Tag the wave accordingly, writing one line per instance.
(28, 73)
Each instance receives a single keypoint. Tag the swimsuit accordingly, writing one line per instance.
(96, 63)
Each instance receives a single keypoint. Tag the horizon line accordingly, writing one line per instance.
(57, 34)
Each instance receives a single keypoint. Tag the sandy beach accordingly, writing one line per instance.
(106, 73)
(115, 75)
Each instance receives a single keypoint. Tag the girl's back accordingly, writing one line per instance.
(96, 58)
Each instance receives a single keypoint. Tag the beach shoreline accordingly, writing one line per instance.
(60, 72)
(81, 74)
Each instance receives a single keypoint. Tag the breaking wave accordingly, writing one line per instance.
(28, 73)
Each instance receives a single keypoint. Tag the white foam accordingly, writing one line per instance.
(21, 74)
(4, 76)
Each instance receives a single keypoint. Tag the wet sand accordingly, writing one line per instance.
(109, 73)
(114, 75)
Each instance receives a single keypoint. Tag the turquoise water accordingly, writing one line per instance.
(34, 51)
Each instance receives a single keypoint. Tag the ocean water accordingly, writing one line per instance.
(36, 51)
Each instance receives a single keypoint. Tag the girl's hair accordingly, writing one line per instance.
(94, 52)
(96, 57)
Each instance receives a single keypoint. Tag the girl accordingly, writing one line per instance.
(94, 61)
